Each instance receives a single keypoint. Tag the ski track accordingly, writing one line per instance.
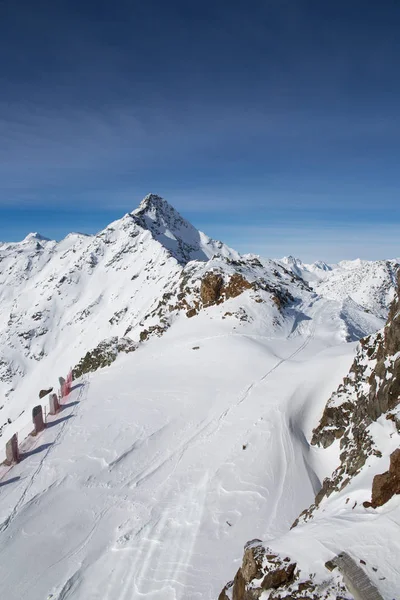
(151, 548)
(155, 560)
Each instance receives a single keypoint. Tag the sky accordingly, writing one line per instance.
(273, 125)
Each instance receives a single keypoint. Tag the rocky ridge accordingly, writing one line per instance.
(370, 390)
(369, 397)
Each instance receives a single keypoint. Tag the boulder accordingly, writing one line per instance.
(387, 484)
(279, 577)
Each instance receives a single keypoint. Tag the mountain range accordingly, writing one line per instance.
(202, 416)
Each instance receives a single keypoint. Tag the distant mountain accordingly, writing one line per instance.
(370, 284)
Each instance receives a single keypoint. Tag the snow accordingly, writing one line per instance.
(162, 466)
(369, 284)
(146, 487)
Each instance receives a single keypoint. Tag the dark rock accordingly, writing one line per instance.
(279, 577)
(387, 484)
(236, 286)
(360, 400)
(239, 586)
(210, 289)
(330, 565)
(252, 563)
(103, 355)
(44, 393)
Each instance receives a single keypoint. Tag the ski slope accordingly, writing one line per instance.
(163, 465)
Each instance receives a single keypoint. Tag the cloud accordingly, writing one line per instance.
(61, 154)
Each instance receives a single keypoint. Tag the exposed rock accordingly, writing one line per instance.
(44, 393)
(267, 574)
(239, 586)
(252, 561)
(210, 289)
(387, 484)
(154, 329)
(103, 355)
(279, 577)
(236, 286)
(371, 389)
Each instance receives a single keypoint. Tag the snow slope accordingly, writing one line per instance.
(168, 461)
(60, 300)
(162, 465)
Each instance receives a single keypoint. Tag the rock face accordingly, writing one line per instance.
(370, 390)
(387, 484)
(267, 574)
(236, 286)
(103, 355)
(210, 290)
(213, 290)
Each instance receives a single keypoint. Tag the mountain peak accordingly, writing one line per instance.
(153, 201)
(35, 237)
(156, 209)
(177, 235)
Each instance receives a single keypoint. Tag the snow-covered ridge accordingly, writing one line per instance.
(355, 512)
(204, 374)
(59, 300)
(176, 234)
(371, 284)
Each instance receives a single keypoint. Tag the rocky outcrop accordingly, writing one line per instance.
(387, 484)
(214, 291)
(370, 390)
(267, 574)
(236, 285)
(211, 288)
(44, 393)
(103, 355)
(196, 289)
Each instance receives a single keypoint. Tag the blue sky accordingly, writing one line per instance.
(273, 125)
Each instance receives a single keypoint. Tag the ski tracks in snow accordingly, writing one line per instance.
(156, 559)
(255, 383)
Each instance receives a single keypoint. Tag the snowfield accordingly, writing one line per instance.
(161, 466)
(166, 463)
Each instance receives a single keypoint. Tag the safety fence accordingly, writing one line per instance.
(12, 452)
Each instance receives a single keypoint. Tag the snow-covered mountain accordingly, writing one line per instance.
(58, 300)
(200, 375)
(107, 292)
(370, 284)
